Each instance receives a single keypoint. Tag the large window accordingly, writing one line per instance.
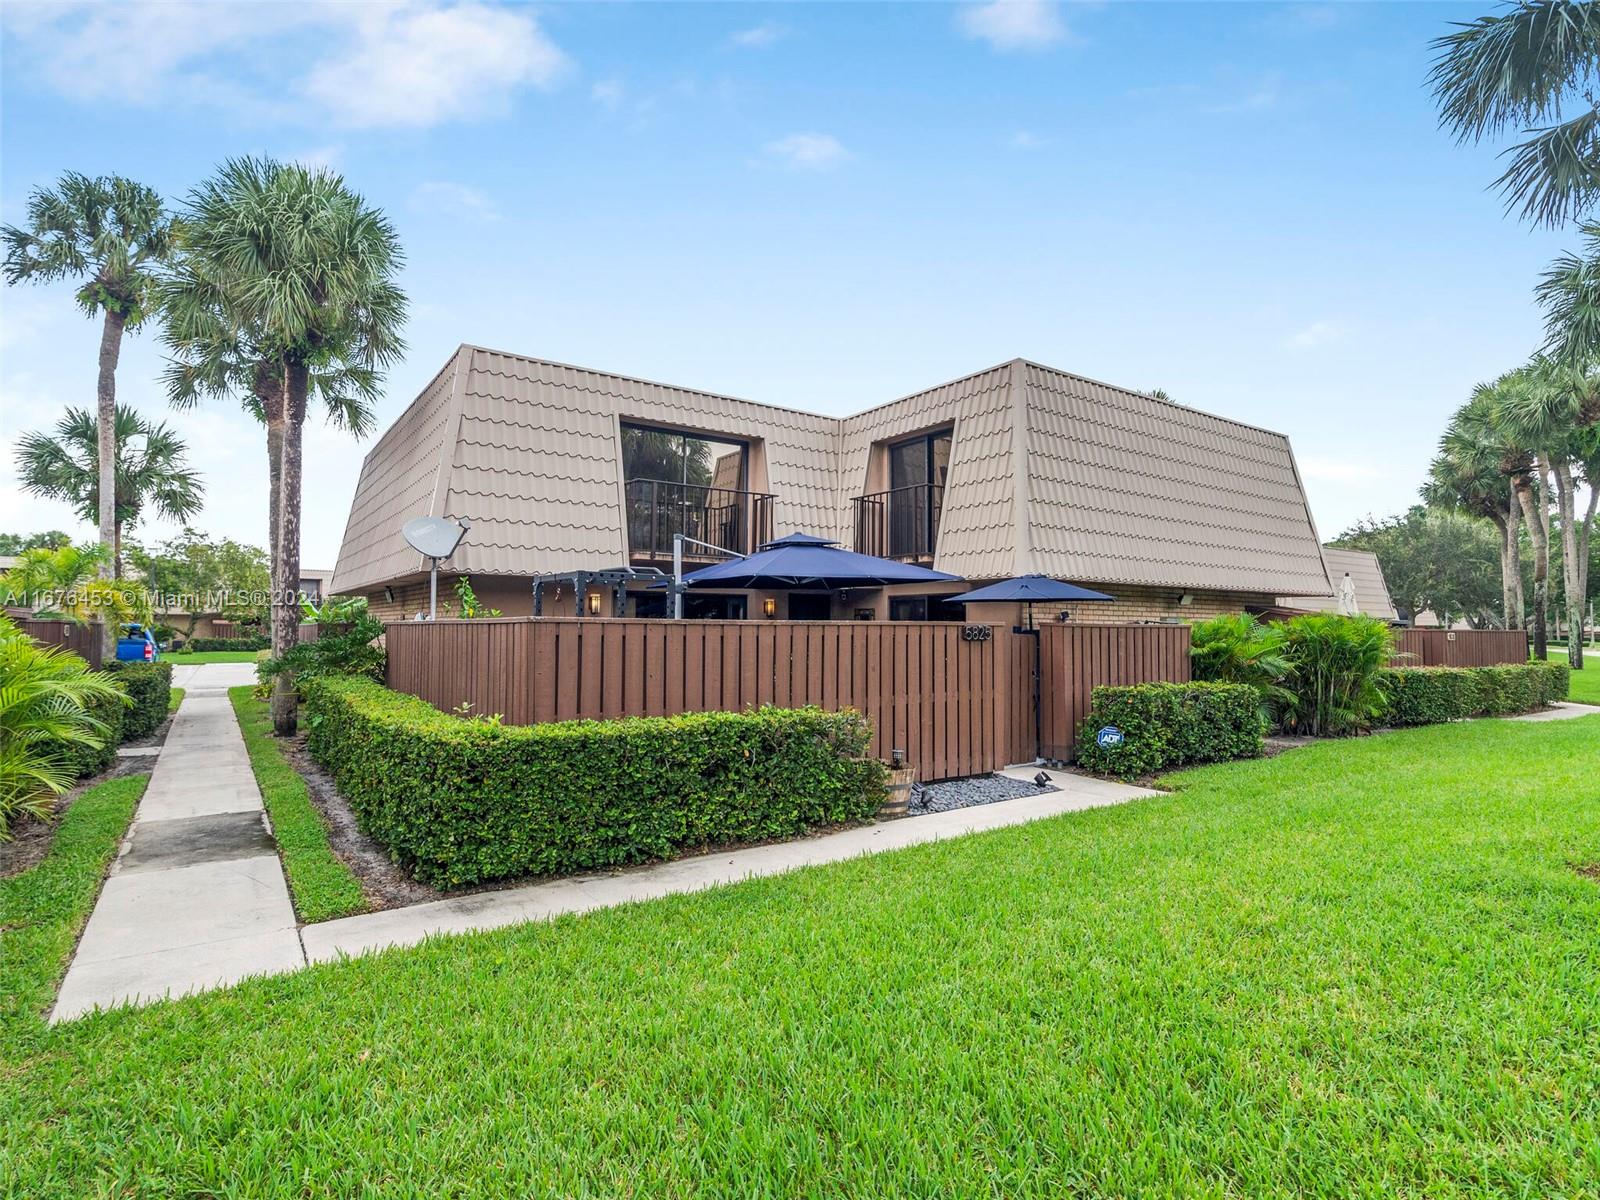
(917, 470)
(687, 483)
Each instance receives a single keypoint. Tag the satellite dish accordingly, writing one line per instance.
(433, 537)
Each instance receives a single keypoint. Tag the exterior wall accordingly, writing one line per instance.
(1152, 604)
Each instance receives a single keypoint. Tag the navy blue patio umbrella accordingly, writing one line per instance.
(1029, 589)
(803, 560)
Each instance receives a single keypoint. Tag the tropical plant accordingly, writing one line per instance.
(1532, 68)
(110, 234)
(335, 610)
(16, 543)
(354, 651)
(193, 575)
(1465, 477)
(467, 605)
(305, 268)
(65, 584)
(46, 696)
(150, 470)
(1334, 678)
(1239, 648)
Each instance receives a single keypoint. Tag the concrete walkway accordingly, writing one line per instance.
(196, 898)
(540, 901)
(1561, 710)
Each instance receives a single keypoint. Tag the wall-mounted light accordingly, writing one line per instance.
(1185, 599)
(769, 608)
(388, 595)
(594, 604)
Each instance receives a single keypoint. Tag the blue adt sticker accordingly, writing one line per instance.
(1109, 737)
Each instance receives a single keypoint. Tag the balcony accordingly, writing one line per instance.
(902, 523)
(659, 509)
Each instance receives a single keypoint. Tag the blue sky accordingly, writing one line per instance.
(822, 206)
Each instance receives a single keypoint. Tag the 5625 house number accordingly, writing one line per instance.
(976, 633)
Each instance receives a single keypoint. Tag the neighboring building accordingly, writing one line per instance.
(1013, 470)
(1372, 593)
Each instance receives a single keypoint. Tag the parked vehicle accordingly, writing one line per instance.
(136, 645)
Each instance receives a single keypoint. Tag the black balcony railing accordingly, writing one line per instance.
(901, 523)
(659, 509)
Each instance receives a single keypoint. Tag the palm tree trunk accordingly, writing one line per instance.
(1585, 534)
(1571, 575)
(269, 390)
(1507, 560)
(1514, 536)
(1541, 565)
(106, 404)
(287, 610)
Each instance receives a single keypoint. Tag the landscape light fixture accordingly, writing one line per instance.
(1041, 780)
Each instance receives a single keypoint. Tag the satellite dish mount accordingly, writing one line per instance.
(436, 539)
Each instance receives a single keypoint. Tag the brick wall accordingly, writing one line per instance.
(1152, 604)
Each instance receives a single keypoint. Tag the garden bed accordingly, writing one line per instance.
(955, 794)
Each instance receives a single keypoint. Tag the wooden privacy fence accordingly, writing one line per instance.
(1076, 658)
(82, 640)
(935, 690)
(1459, 647)
(958, 699)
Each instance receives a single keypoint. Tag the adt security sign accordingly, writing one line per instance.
(1109, 737)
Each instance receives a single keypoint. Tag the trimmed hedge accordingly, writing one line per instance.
(1429, 695)
(1170, 725)
(258, 641)
(458, 801)
(150, 688)
(85, 761)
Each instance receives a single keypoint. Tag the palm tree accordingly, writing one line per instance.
(1549, 414)
(1530, 68)
(150, 470)
(301, 269)
(66, 583)
(1478, 431)
(1463, 478)
(108, 233)
(214, 358)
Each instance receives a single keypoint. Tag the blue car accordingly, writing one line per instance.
(136, 645)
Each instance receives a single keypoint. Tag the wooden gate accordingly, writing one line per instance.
(1075, 658)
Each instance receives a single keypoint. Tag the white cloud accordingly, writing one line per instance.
(1337, 470)
(808, 151)
(758, 37)
(382, 63)
(1315, 335)
(1014, 24)
(608, 94)
(1023, 139)
(419, 67)
(454, 199)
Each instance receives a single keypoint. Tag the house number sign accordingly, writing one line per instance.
(976, 633)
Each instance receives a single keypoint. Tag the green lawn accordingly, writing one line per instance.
(190, 658)
(1585, 683)
(323, 887)
(42, 910)
(174, 698)
(1363, 968)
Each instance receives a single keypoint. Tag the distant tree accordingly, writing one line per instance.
(192, 575)
(305, 266)
(16, 543)
(1434, 559)
(151, 474)
(109, 234)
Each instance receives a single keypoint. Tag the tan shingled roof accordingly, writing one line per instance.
(1372, 593)
(1048, 472)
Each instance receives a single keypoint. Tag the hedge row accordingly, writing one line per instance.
(256, 641)
(1429, 695)
(149, 687)
(85, 761)
(459, 801)
(1169, 725)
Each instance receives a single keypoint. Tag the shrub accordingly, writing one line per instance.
(252, 642)
(1429, 695)
(58, 720)
(1169, 725)
(458, 801)
(149, 688)
(352, 651)
(1335, 662)
(1238, 648)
